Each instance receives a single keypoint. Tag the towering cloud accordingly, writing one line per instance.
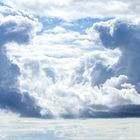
(16, 29)
(124, 35)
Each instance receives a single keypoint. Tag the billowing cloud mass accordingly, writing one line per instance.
(50, 69)
(14, 29)
(125, 36)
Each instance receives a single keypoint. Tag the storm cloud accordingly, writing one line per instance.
(60, 72)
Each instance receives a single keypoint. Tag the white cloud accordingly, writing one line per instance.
(76, 9)
(51, 61)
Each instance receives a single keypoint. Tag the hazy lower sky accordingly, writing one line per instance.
(70, 58)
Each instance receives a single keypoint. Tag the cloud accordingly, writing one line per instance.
(16, 29)
(12, 30)
(115, 98)
(124, 35)
(68, 81)
(77, 9)
(21, 103)
(59, 72)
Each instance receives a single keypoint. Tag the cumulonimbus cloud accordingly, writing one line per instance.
(54, 75)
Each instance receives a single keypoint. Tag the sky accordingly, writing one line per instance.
(70, 58)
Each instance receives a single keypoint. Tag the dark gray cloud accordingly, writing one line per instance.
(100, 74)
(20, 103)
(10, 30)
(16, 29)
(125, 36)
(101, 111)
